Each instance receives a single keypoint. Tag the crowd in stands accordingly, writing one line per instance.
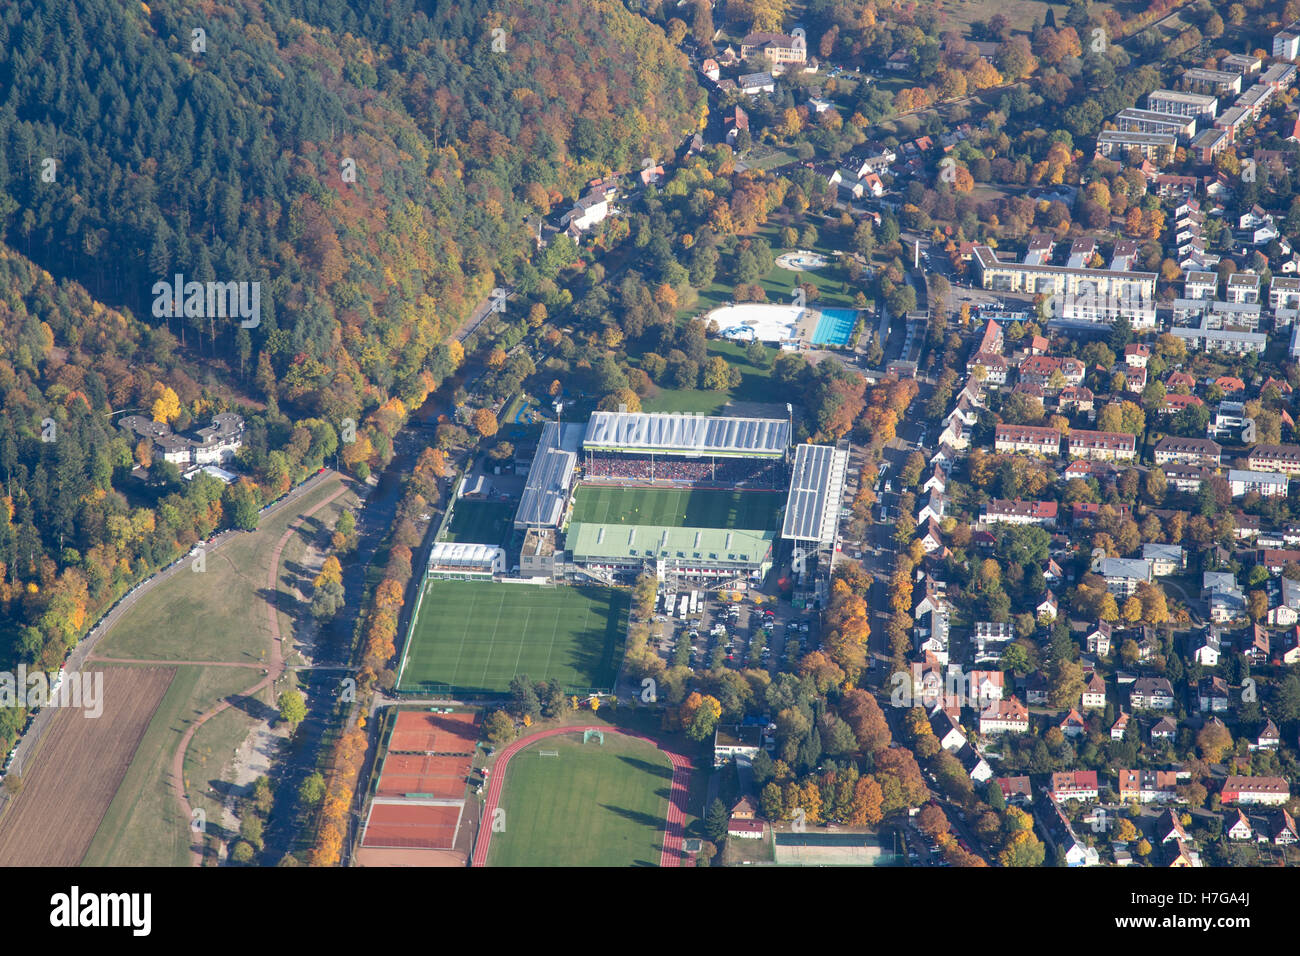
(753, 472)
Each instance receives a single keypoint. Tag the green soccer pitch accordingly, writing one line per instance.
(674, 508)
(474, 637)
(591, 805)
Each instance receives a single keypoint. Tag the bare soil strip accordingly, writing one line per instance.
(80, 766)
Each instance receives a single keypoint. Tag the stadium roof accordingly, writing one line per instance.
(812, 510)
(549, 477)
(462, 554)
(687, 434)
(590, 541)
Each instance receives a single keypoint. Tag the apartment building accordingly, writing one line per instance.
(1233, 120)
(1209, 143)
(1200, 285)
(1186, 478)
(1030, 439)
(1149, 121)
(1006, 511)
(1123, 575)
(1284, 293)
(1277, 458)
(1268, 484)
(1243, 287)
(1157, 148)
(1286, 43)
(776, 49)
(1174, 449)
(1256, 99)
(1212, 82)
(1242, 63)
(1247, 790)
(1101, 446)
(1147, 786)
(1110, 293)
(1209, 339)
(1183, 104)
(1279, 76)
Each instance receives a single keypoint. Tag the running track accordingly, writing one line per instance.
(676, 822)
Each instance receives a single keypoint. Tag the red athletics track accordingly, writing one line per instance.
(676, 822)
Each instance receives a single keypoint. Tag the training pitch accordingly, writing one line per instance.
(592, 805)
(673, 508)
(474, 637)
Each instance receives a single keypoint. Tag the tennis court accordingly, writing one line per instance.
(835, 327)
(406, 775)
(425, 733)
(412, 824)
(677, 508)
(831, 849)
(474, 637)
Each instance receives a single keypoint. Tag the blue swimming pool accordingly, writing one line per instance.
(835, 327)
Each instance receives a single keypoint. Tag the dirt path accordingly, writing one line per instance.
(273, 672)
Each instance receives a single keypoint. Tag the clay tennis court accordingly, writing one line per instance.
(425, 733)
(414, 825)
(408, 774)
(420, 796)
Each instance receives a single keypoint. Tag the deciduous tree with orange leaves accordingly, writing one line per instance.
(485, 423)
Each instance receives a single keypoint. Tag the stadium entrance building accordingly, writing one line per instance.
(463, 561)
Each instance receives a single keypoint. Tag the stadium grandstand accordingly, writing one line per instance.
(812, 510)
(686, 449)
(546, 492)
(703, 553)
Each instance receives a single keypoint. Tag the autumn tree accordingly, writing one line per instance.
(166, 406)
(1213, 741)
(484, 422)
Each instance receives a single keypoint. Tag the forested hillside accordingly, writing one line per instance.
(227, 164)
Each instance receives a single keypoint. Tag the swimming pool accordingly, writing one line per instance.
(835, 327)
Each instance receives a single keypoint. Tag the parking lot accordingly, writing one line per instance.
(737, 634)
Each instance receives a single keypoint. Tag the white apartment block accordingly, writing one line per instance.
(1183, 104)
(1086, 294)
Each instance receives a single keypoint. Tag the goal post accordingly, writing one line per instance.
(589, 735)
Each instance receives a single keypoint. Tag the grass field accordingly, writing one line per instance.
(592, 805)
(476, 636)
(755, 386)
(217, 615)
(687, 508)
(481, 522)
(143, 825)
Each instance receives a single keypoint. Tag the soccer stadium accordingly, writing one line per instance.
(695, 500)
(700, 498)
